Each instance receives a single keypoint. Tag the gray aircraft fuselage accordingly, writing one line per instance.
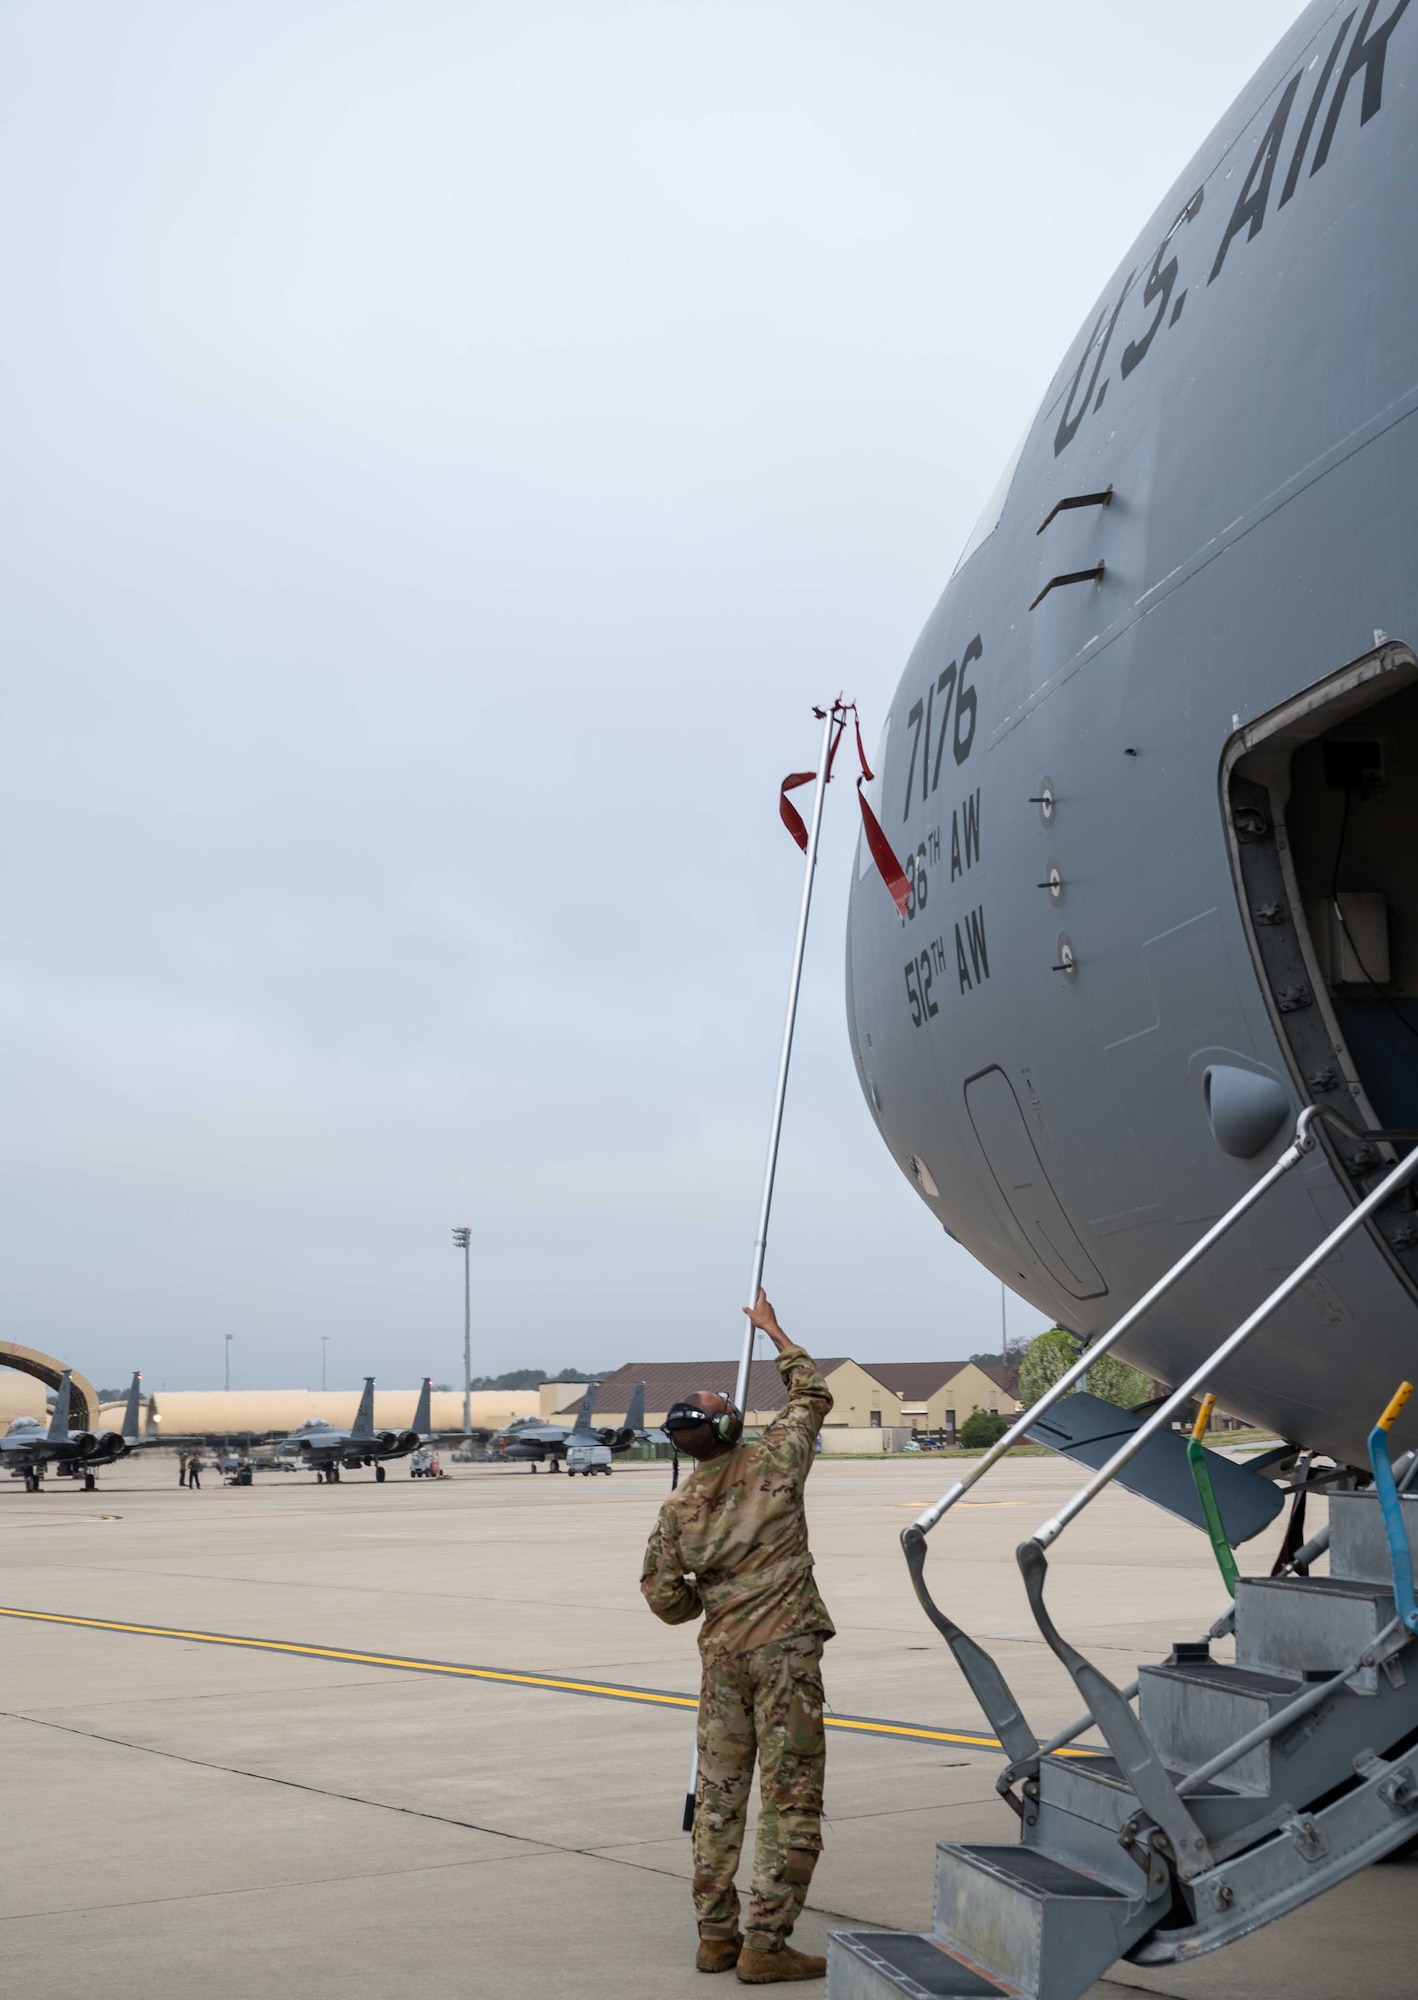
(1125, 802)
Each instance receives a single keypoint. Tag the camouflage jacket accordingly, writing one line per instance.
(731, 1542)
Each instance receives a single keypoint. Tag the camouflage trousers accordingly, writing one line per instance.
(766, 1703)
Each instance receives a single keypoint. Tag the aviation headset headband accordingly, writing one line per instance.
(727, 1426)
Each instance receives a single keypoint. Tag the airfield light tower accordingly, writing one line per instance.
(227, 1370)
(462, 1239)
(324, 1357)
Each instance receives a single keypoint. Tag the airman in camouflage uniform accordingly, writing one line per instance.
(731, 1545)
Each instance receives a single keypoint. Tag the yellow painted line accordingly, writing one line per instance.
(605, 1690)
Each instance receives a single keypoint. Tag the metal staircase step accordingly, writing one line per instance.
(1028, 1920)
(1084, 1804)
(1194, 1708)
(899, 1965)
(1358, 1550)
(1082, 1807)
(1309, 1625)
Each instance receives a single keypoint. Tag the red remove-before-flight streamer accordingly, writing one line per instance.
(887, 866)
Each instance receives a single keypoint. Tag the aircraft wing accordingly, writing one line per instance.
(1085, 1428)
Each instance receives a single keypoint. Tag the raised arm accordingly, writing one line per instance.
(809, 1398)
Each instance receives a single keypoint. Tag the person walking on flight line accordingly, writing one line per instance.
(731, 1543)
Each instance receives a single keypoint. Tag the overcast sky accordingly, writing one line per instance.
(451, 444)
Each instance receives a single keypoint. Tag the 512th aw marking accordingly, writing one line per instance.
(972, 965)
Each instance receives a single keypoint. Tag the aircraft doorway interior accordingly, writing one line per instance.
(1353, 823)
(1321, 800)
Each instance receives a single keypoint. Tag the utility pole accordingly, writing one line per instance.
(462, 1239)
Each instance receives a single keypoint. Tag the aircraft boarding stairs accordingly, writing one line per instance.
(1230, 1793)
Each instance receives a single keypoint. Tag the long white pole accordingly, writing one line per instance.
(468, 1338)
(775, 1130)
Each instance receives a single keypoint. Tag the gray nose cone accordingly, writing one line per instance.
(1245, 1111)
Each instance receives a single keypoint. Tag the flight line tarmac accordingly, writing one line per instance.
(296, 1737)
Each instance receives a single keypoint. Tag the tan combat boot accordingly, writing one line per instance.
(718, 1954)
(766, 1968)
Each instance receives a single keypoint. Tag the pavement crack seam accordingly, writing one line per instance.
(269, 1778)
(378, 1805)
(247, 1889)
(219, 1694)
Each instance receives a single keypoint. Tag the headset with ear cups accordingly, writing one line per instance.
(727, 1425)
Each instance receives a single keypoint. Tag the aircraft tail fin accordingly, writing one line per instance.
(131, 1414)
(635, 1415)
(364, 1416)
(582, 1426)
(59, 1422)
(423, 1414)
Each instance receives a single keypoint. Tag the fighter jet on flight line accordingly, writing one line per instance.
(30, 1445)
(328, 1450)
(529, 1438)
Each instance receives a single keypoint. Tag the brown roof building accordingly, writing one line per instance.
(859, 1396)
(940, 1395)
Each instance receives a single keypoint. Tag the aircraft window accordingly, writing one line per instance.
(994, 506)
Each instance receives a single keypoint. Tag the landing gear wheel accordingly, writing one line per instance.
(31, 1483)
(379, 1472)
(88, 1482)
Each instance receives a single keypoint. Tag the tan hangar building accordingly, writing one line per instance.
(262, 1412)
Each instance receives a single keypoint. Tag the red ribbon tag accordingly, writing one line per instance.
(887, 866)
(788, 812)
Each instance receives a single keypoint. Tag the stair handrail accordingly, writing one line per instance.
(1302, 1142)
(981, 1672)
(1161, 1798)
(978, 1666)
(1390, 1639)
(1162, 1416)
